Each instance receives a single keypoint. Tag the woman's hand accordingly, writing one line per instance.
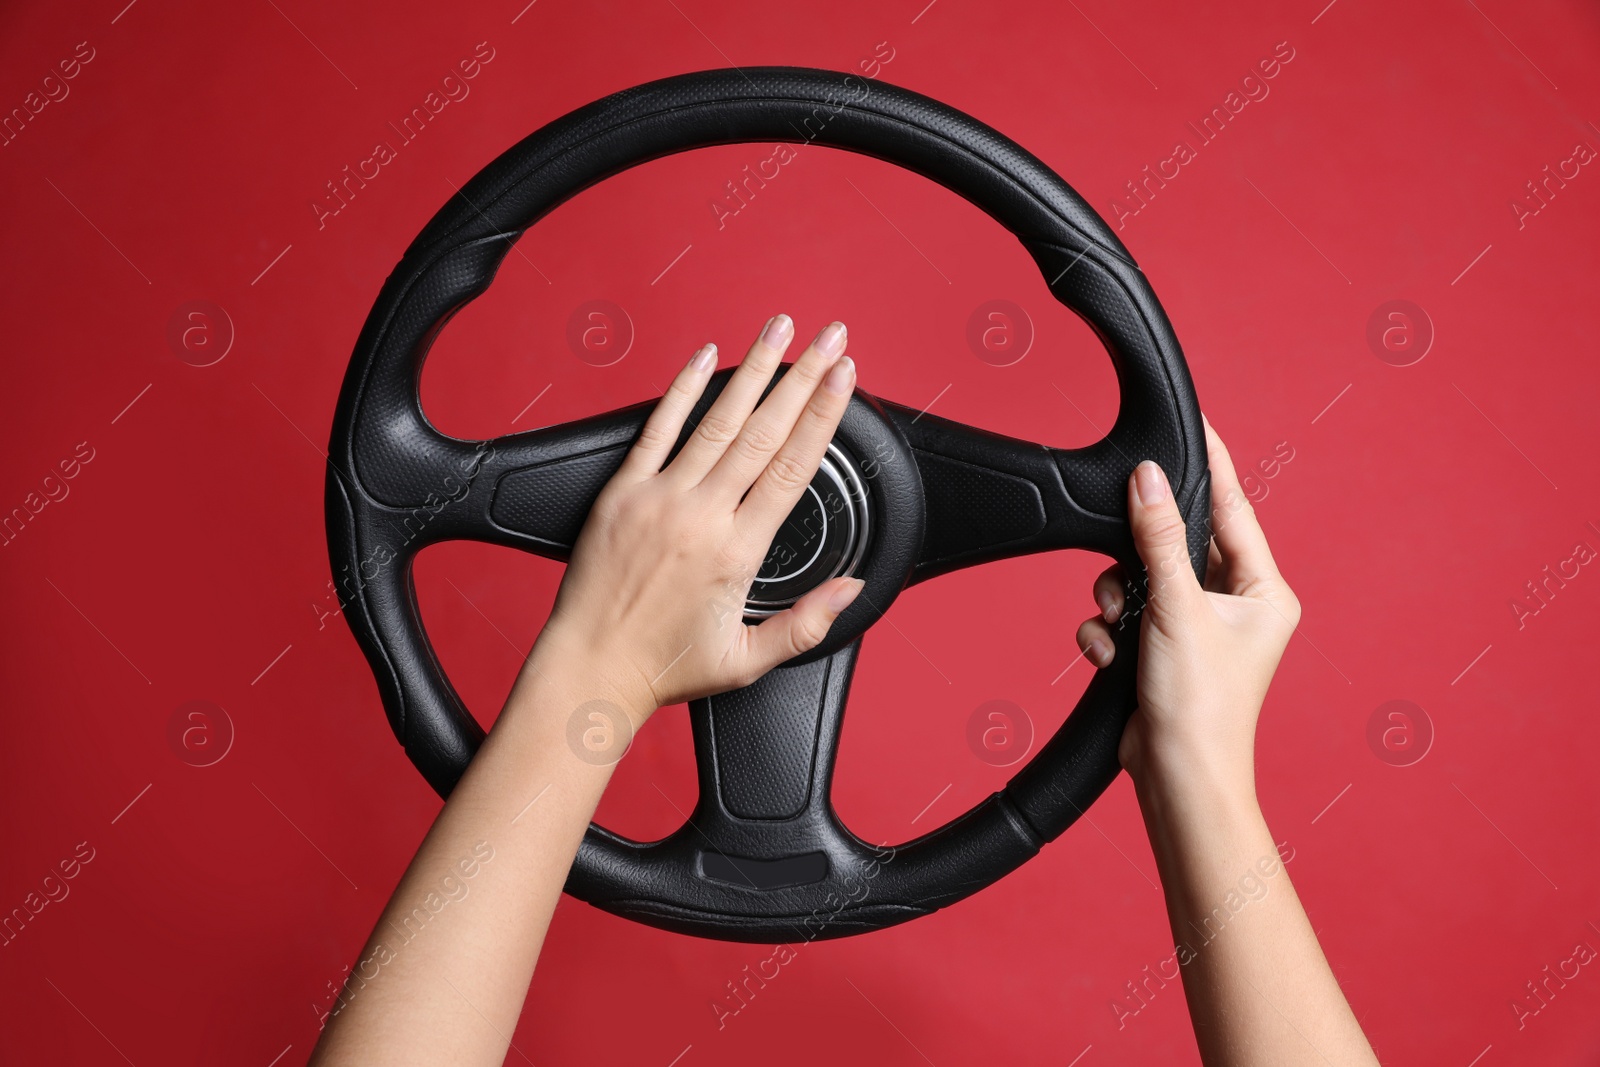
(1258, 987)
(653, 598)
(1206, 655)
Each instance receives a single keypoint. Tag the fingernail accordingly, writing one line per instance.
(841, 377)
(1099, 653)
(705, 358)
(778, 331)
(830, 342)
(1150, 483)
(1108, 605)
(845, 595)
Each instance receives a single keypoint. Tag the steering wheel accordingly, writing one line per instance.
(903, 497)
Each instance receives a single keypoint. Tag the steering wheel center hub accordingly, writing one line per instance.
(825, 536)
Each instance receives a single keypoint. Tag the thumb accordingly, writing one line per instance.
(1162, 541)
(799, 628)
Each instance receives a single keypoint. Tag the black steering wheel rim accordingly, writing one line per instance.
(779, 865)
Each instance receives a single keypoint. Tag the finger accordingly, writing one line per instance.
(785, 478)
(661, 429)
(1160, 537)
(1110, 593)
(797, 629)
(1241, 544)
(726, 417)
(767, 431)
(1094, 641)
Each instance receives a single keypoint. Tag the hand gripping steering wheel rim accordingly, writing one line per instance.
(763, 858)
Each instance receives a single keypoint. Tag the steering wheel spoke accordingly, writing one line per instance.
(535, 488)
(763, 842)
(765, 755)
(991, 497)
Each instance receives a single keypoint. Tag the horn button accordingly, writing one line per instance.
(824, 537)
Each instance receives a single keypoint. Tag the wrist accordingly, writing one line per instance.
(1194, 778)
(570, 675)
(1196, 818)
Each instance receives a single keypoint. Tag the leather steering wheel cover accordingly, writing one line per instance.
(379, 429)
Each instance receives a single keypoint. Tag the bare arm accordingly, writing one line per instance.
(1260, 991)
(650, 613)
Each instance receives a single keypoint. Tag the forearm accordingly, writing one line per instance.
(444, 976)
(1260, 991)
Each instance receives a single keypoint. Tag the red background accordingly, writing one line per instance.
(189, 553)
